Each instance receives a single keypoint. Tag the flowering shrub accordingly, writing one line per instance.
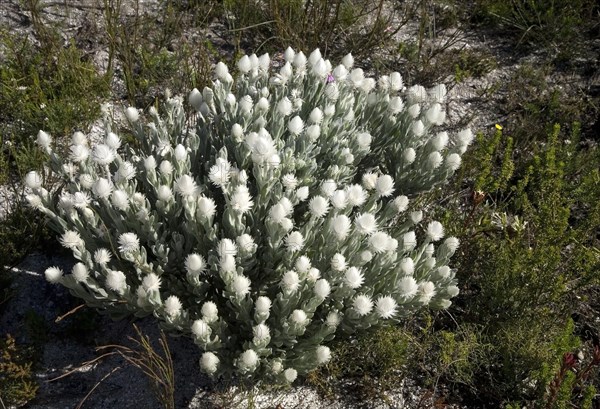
(267, 222)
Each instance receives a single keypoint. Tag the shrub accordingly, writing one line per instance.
(17, 385)
(246, 226)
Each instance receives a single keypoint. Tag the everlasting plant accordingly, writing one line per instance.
(271, 219)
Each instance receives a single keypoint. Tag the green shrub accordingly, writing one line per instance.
(17, 384)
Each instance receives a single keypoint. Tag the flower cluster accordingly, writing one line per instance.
(273, 218)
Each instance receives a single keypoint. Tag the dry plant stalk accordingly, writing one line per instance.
(156, 366)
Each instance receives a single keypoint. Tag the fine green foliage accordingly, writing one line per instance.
(337, 26)
(557, 26)
(529, 251)
(17, 384)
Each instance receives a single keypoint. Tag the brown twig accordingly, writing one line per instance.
(74, 310)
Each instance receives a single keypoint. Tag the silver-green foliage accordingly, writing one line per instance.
(271, 220)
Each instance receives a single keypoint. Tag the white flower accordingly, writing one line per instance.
(277, 213)
(186, 186)
(384, 185)
(284, 106)
(33, 180)
(71, 239)
(409, 240)
(294, 241)
(348, 61)
(440, 141)
(323, 354)
(453, 161)
(262, 304)
(426, 291)
(173, 306)
(86, 181)
(434, 160)
(209, 362)
(438, 93)
(246, 243)
(364, 140)
(290, 375)
(120, 200)
(369, 181)
(102, 256)
(396, 81)
(302, 264)
(362, 304)
(322, 288)
(53, 274)
(79, 138)
(209, 311)
(396, 105)
(227, 264)
(165, 167)
(316, 116)
(313, 274)
(290, 281)
(418, 129)
(150, 163)
(103, 154)
(302, 193)
(435, 231)
(452, 291)
(246, 104)
(414, 110)
(244, 64)
(206, 207)
(195, 99)
(356, 77)
(319, 206)
(452, 243)
(340, 73)
(313, 132)
(289, 181)
(366, 256)
(221, 71)
(261, 332)
(367, 85)
(180, 153)
(263, 106)
(386, 307)
(43, 140)
(79, 153)
(65, 202)
(164, 193)
(219, 172)
(128, 243)
(132, 114)
(380, 242)
(465, 137)
(226, 247)
(241, 201)
(353, 278)
(407, 266)
(113, 141)
(356, 195)
(102, 188)
(328, 187)
(80, 272)
(296, 125)
(339, 199)
(408, 286)
(151, 282)
(240, 285)
(299, 317)
(409, 155)
(444, 271)
(201, 330)
(416, 216)
(340, 226)
(338, 262)
(400, 203)
(34, 201)
(333, 319)
(115, 281)
(366, 223)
